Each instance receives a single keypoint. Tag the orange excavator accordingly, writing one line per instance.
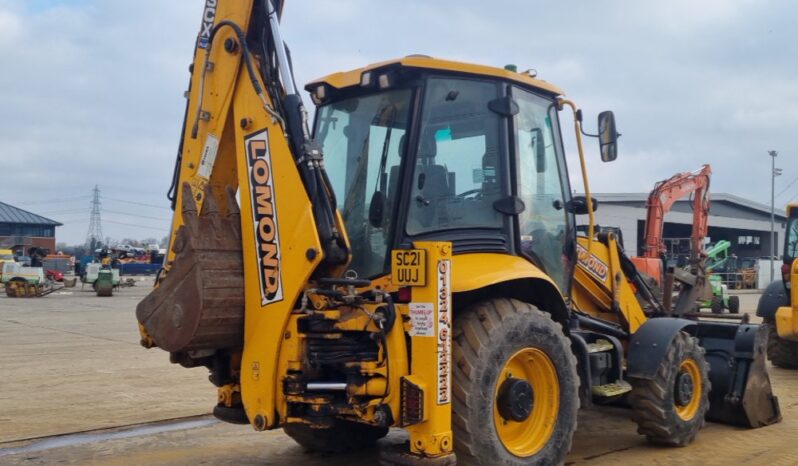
(660, 201)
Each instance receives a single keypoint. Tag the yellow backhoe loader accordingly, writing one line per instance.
(409, 263)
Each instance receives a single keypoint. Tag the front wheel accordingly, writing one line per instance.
(669, 409)
(515, 386)
(716, 305)
(782, 353)
(734, 304)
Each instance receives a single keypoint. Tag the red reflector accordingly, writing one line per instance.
(785, 269)
(412, 403)
(404, 294)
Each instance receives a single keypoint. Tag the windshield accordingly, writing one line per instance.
(363, 144)
(543, 187)
(456, 178)
(791, 245)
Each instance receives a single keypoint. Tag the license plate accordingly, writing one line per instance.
(409, 267)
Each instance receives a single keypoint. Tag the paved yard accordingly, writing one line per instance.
(71, 363)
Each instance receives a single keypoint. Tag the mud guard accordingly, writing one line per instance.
(774, 296)
(650, 344)
(741, 392)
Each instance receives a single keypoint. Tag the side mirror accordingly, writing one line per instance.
(377, 209)
(608, 136)
(578, 205)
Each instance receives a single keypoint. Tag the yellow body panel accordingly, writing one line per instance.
(787, 316)
(352, 78)
(219, 86)
(432, 353)
(265, 324)
(601, 288)
(478, 270)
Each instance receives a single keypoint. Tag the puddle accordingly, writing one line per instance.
(70, 440)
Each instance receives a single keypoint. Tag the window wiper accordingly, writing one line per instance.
(386, 117)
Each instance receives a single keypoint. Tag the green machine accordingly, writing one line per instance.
(717, 257)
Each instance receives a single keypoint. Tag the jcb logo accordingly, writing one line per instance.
(264, 216)
(208, 17)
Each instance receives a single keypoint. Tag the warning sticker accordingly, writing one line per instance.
(422, 318)
(208, 157)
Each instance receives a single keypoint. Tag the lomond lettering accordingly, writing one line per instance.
(264, 217)
(591, 263)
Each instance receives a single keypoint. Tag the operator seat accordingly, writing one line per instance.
(430, 184)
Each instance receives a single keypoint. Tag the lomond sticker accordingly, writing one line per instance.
(444, 331)
(264, 215)
(208, 17)
(591, 263)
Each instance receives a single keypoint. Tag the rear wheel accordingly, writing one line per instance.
(343, 436)
(670, 408)
(734, 304)
(716, 305)
(515, 386)
(782, 353)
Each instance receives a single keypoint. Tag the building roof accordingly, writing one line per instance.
(616, 198)
(11, 214)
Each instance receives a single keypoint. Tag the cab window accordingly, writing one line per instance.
(456, 175)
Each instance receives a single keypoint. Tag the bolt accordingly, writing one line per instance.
(245, 123)
(231, 46)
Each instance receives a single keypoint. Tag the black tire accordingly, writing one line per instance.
(485, 336)
(344, 436)
(653, 402)
(734, 304)
(716, 305)
(782, 353)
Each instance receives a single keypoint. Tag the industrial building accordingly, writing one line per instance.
(744, 223)
(21, 230)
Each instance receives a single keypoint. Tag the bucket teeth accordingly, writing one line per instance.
(200, 302)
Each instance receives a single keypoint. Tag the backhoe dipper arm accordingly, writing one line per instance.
(662, 198)
(245, 130)
(236, 34)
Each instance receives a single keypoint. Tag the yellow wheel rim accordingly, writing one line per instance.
(688, 410)
(527, 437)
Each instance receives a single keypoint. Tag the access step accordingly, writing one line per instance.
(599, 345)
(612, 389)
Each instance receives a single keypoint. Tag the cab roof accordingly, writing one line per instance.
(346, 79)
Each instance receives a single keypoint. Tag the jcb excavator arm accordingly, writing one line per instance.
(245, 130)
(662, 198)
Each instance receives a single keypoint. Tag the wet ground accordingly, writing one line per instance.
(76, 388)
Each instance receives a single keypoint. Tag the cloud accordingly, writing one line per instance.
(91, 90)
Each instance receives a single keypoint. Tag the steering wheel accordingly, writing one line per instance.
(469, 193)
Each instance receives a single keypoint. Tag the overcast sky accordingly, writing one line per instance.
(91, 90)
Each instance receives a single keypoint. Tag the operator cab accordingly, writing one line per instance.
(424, 149)
(790, 245)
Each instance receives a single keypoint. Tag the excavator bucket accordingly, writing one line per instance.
(741, 394)
(200, 302)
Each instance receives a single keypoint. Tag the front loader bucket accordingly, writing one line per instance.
(741, 394)
(200, 302)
